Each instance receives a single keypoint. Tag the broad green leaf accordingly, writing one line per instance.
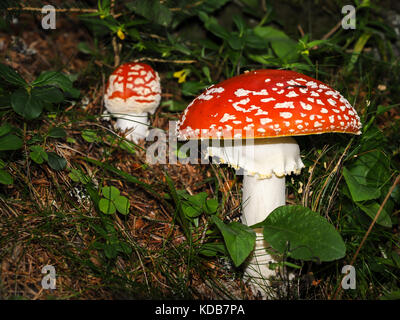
(371, 210)
(192, 88)
(55, 161)
(211, 249)
(152, 10)
(174, 106)
(5, 128)
(284, 47)
(212, 206)
(110, 192)
(48, 94)
(212, 25)
(11, 76)
(306, 234)
(38, 154)
(26, 105)
(191, 211)
(5, 177)
(239, 239)
(57, 133)
(56, 79)
(107, 206)
(199, 199)
(359, 191)
(78, 176)
(122, 204)
(10, 142)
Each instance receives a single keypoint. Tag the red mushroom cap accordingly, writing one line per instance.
(267, 103)
(133, 88)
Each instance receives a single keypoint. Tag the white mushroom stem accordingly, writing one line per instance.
(136, 126)
(265, 163)
(260, 198)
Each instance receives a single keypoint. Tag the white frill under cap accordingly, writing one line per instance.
(259, 157)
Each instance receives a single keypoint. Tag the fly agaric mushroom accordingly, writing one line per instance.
(133, 91)
(267, 107)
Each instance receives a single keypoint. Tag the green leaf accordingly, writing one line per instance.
(107, 206)
(5, 128)
(128, 146)
(371, 209)
(48, 94)
(90, 136)
(284, 47)
(358, 190)
(57, 133)
(124, 248)
(110, 251)
(56, 79)
(211, 249)
(122, 204)
(110, 192)
(55, 161)
(308, 235)
(212, 25)
(11, 76)
(5, 177)
(192, 88)
(10, 142)
(174, 106)
(211, 206)
(239, 239)
(394, 295)
(152, 10)
(38, 154)
(199, 199)
(26, 105)
(78, 176)
(191, 211)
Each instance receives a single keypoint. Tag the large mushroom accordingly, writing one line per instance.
(133, 91)
(262, 110)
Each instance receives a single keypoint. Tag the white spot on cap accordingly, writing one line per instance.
(241, 92)
(227, 117)
(292, 94)
(323, 110)
(267, 99)
(314, 94)
(265, 120)
(332, 102)
(261, 112)
(284, 105)
(305, 106)
(317, 124)
(286, 115)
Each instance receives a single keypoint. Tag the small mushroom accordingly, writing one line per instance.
(133, 91)
(264, 109)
